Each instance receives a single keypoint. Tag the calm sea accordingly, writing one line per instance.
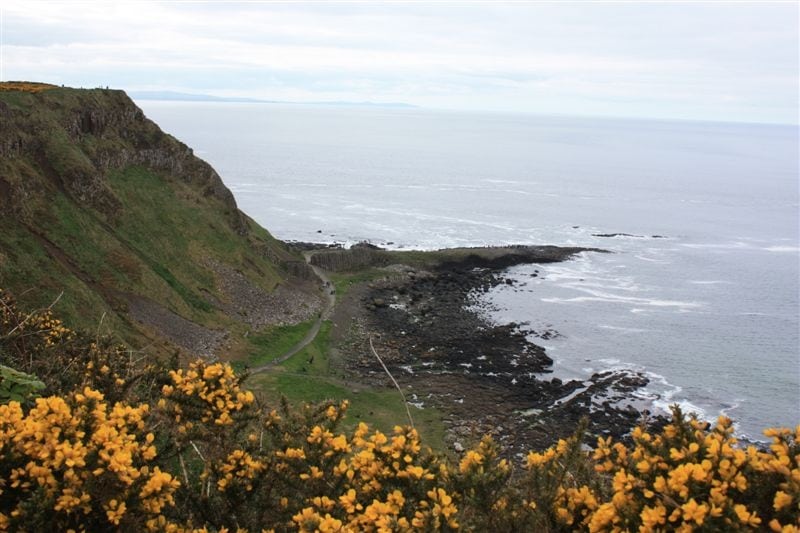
(708, 309)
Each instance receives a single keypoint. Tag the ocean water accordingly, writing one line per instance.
(701, 296)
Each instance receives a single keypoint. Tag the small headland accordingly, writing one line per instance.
(418, 309)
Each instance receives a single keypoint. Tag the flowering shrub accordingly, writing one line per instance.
(114, 445)
(78, 462)
(210, 394)
(689, 477)
(369, 481)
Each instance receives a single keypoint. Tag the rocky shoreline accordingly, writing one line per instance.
(486, 378)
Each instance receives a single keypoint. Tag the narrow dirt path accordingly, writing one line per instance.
(330, 302)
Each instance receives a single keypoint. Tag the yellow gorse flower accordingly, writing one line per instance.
(63, 447)
(690, 475)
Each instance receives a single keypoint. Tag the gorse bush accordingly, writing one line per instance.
(25, 86)
(688, 477)
(77, 462)
(120, 443)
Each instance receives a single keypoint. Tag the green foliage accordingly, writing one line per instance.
(313, 359)
(64, 156)
(308, 376)
(274, 341)
(16, 386)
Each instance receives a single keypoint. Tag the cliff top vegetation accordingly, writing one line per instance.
(25, 86)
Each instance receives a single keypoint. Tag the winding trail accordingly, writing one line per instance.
(330, 297)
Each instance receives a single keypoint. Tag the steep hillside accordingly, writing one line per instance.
(140, 235)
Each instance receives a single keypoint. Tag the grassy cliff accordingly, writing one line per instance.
(139, 234)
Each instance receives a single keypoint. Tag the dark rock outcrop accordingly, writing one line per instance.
(356, 257)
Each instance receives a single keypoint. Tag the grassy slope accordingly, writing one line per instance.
(156, 244)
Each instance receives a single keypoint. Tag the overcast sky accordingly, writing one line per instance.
(689, 60)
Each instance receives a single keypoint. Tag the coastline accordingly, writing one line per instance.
(486, 379)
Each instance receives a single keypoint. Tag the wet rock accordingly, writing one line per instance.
(483, 376)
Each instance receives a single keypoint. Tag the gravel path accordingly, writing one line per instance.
(330, 296)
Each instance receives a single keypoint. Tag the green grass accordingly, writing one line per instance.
(77, 235)
(19, 100)
(173, 228)
(33, 276)
(155, 246)
(188, 296)
(342, 281)
(65, 157)
(307, 377)
(380, 408)
(312, 359)
(428, 258)
(177, 221)
(275, 341)
(157, 243)
(116, 232)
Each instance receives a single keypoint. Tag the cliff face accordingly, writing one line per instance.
(78, 137)
(96, 201)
